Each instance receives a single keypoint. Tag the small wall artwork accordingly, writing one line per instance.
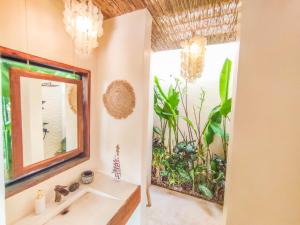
(116, 164)
(119, 99)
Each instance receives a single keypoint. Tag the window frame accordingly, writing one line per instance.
(33, 177)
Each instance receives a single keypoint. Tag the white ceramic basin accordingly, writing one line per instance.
(86, 210)
(87, 206)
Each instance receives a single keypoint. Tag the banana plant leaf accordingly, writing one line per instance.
(226, 107)
(225, 80)
(213, 125)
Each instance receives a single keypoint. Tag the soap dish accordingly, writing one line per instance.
(87, 177)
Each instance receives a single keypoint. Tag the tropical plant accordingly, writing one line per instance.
(166, 107)
(218, 169)
(183, 160)
(216, 124)
(158, 156)
(205, 191)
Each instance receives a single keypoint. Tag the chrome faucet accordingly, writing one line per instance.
(59, 191)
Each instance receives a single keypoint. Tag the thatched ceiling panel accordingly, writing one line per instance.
(177, 20)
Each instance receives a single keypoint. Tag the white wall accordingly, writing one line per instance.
(32, 125)
(124, 54)
(52, 114)
(167, 63)
(115, 61)
(263, 169)
(36, 27)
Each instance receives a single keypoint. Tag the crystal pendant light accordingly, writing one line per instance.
(192, 58)
(83, 21)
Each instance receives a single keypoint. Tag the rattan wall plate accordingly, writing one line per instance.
(73, 98)
(119, 99)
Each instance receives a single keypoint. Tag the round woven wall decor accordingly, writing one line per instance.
(119, 99)
(73, 98)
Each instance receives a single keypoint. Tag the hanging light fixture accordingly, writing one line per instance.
(83, 21)
(192, 58)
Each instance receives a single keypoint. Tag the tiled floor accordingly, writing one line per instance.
(172, 208)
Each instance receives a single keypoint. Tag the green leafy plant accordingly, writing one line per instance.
(166, 107)
(188, 153)
(158, 156)
(216, 124)
(182, 160)
(205, 191)
(218, 169)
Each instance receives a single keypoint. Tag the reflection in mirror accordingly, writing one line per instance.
(49, 118)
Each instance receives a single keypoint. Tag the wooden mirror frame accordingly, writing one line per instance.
(18, 168)
(32, 175)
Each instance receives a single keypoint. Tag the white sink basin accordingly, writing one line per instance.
(87, 206)
(85, 210)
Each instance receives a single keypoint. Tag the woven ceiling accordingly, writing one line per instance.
(177, 20)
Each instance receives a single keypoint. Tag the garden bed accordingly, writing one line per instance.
(183, 190)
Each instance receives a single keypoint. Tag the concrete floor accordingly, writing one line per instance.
(172, 208)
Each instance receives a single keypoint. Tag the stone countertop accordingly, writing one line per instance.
(119, 189)
(116, 196)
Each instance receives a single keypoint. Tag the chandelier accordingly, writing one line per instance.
(83, 21)
(192, 58)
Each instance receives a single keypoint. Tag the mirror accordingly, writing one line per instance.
(28, 136)
(49, 118)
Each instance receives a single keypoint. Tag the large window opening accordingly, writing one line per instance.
(191, 128)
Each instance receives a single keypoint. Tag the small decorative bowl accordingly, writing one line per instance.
(87, 177)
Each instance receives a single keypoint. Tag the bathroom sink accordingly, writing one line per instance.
(105, 201)
(86, 206)
(89, 209)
